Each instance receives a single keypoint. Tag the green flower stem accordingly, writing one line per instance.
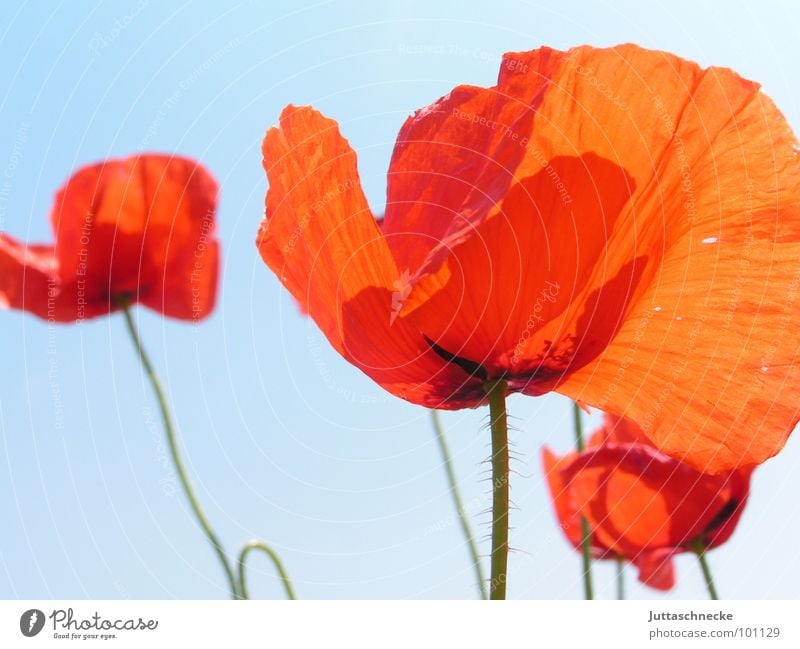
(699, 548)
(459, 504)
(586, 534)
(496, 390)
(576, 412)
(260, 545)
(173, 447)
(620, 577)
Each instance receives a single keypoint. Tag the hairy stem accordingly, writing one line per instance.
(496, 390)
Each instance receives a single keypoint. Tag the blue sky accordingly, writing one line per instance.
(283, 438)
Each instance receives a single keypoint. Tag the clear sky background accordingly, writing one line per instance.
(284, 439)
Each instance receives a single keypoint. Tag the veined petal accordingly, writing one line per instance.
(322, 241)
(679, 266)
(515, 296)
(455, 159)
(617, 430)
(703, 356)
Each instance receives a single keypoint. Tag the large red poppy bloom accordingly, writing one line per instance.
(639, 503)
(618, 225)
(140, 229)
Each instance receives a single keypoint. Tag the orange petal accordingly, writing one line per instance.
(617, 430)
(322, 241)
(660, 322)
(515, 296)
(637, 499)
(705, 356)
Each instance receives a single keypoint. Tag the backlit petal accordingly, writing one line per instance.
(705, 357)
(322, 241)
(455, 160)
(636, 498)
(516, 295)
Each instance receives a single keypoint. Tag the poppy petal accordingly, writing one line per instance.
(656, 568)
(141, 227)
(566, 512)
(319, 236)
(513, 296)
(321, 239)
(29, 282)
(636, 497)
(454, 160)
(617, 430)
(180, 237)
(704, 357)
(676, 282)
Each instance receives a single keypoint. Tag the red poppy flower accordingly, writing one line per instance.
(641, 504)
(618, 225)
(140, 229)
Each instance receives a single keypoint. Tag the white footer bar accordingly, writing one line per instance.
(401, 624)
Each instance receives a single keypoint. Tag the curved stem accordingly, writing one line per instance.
(699, 549)
(586, 534)
(496, 390)
(172, 442)
(459, 504)
(620, 577)
(260, 545)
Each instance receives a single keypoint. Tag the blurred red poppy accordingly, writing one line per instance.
(639, 503)
(139, 229)
(618, 225)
